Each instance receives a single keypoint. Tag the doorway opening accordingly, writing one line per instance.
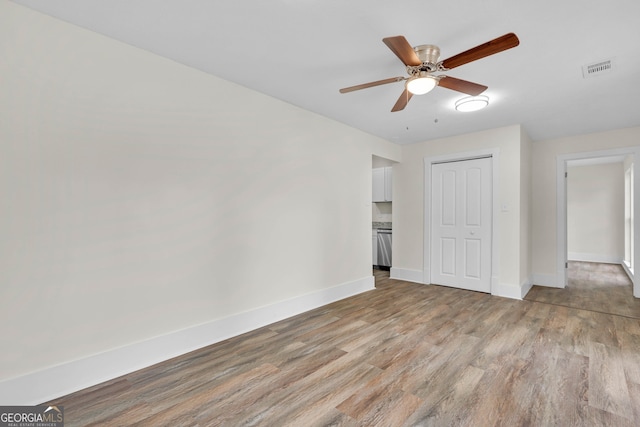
(381, 213)
(595, 209)
(596, 199)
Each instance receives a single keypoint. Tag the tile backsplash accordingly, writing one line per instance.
(375, 225)
(381, 212)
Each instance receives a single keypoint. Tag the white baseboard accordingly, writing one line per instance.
(586, 257)
(50, 383)
(407, 275)
(627, 270)
(506, 291)
(548, 280)
(526, 287)
(498, 289)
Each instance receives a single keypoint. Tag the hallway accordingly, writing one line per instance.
(603, 288)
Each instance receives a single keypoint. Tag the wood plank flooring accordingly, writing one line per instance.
(605, 288)
(401, 355)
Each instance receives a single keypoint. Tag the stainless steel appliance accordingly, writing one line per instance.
(384, 248)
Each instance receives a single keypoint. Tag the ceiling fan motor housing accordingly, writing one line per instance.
(429, 55)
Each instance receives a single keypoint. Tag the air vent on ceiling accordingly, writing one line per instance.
(598, 68)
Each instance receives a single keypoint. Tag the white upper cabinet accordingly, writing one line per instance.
(382, 178)
(388, 174)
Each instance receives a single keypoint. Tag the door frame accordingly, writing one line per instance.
(562, 255)
(494, 154)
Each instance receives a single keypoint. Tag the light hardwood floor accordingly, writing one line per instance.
(403, 354)
(604, 288)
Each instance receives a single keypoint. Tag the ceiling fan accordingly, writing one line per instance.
(424, 60)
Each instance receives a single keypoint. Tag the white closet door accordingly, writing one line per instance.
(461, 224)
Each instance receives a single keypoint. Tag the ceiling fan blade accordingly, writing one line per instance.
(402, 101)
(403, 50)
(463, 86)
(371, 84)
(489, 48)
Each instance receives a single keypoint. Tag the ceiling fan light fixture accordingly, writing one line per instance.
(472, 103)
(421, 84)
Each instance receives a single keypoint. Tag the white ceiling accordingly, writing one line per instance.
(303, 51)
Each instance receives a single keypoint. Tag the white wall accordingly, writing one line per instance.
(379, 162)
(595, 213)
(140, 197)
(525, 211)
(408, 201)
(543, 207)
(629, 220)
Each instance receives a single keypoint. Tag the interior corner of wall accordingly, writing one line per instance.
(526, 286)
(406, 274)
(548, 280)
(506, 290)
